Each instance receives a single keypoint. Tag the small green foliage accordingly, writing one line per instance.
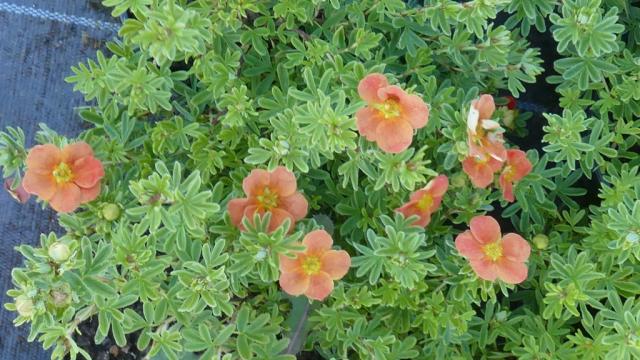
(586, 28)
(564, 135)
(195, 95)
(396, 255)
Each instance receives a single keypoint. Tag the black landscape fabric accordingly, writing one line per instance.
(39, 42)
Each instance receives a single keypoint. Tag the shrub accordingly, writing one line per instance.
(255, 170)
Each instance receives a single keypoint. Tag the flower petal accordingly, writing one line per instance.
(394, 136)
(294, 283)
(519, 162)
(72, 152)
(295, 205)
(495, 148)
(485, 229)
(249, 212)
(288, 264)
(410, 208)
(418, 194)
(391, 92)
(489, 124)
(317, 242)
(278, 216)
(367, 120)
(480, 172)
(512, 272)
(236, 208)
(507, 188)
(369, 86)
(515, 247)
(414, 110)
(255, 182)
(89, 194)
(19, 193)
(282, 181)
(468, 246)
(87, 171)
(320, 286)
(472, 120)
(43, 158)
(336, 263)
(438, 186)
(67, 198)
(485, 269)
(41, 184)
(485, 106)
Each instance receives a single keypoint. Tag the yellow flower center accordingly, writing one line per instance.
(62, 173)
(482, 159)
(508, 172)
(480, 131)
(268, 199)
(493, 251)
(389, 109)
(311, 265)
(425, 202)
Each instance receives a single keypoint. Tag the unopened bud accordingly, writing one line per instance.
(59, 252)
(261, 255)
(282, 147)
(541, 241)
(501, 316)
(111, 212)
(18, 193)
(24, 306)
(509, 118)
(60, 297)
(458, 180)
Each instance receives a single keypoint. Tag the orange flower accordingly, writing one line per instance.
(65, 178)
(391, 114)
(312, 271)
(490, 254)
(481, 169)
(425, 201)
(273, 192)
(517, 167)
(484, 134)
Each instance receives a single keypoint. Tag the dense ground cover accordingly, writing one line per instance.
(254, 170)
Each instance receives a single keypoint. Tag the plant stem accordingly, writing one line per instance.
(81, 316)
(159, 330)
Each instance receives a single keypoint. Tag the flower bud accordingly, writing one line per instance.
(501, 316)
(59, 252)
(261, 255)
(458, 180)
(509, 118)
(24, 306)
(18, 193)
(111, 212)
(61, 297)
(282, 147)
(541, 241)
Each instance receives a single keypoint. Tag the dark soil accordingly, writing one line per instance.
(107, 350)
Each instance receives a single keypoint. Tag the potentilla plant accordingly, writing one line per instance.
(343, 180)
